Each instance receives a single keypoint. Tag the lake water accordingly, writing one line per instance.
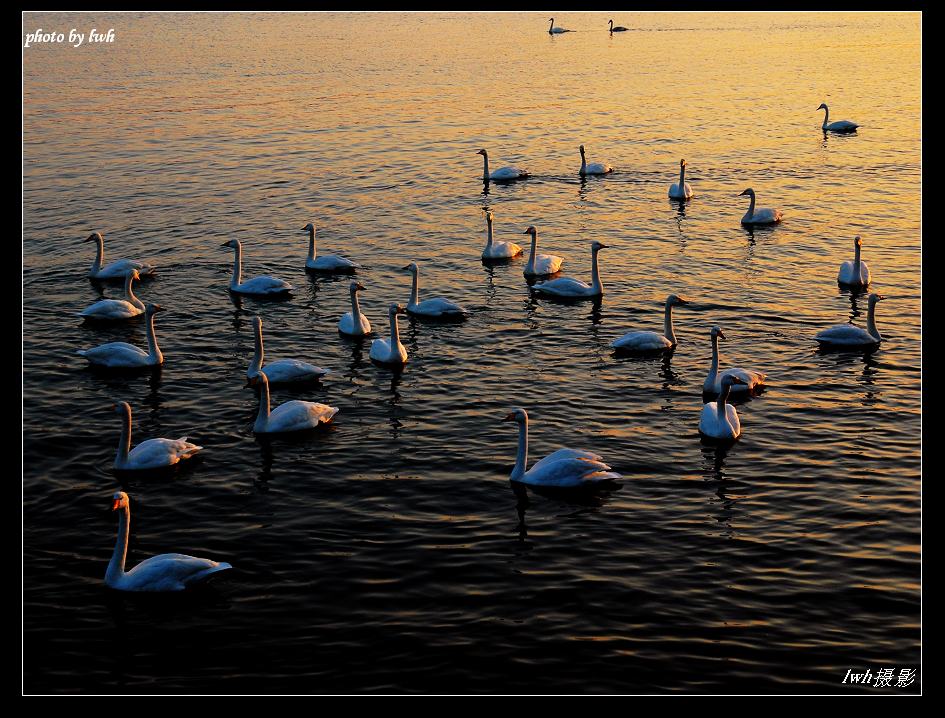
(390, 553)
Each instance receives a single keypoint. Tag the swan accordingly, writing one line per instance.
(165, 572)
(540, 265)
(498, 250)
(597, 168)
(566, 287)
(121, 355)
(653, 341)
(839, 125)
(347, 324)
(502, 174)
(114, 271)
(390, 351)
(438, 308)
(761, 216)
(847, 335)
(749, 379)
(109, 309)
(566, 468)
(294, 415)
(855, 273)
(151, 453)
(719, 419)
(327, 262)
(618, 28)
(556, 30)
(264, 286)
(681, 190)
(284, 371)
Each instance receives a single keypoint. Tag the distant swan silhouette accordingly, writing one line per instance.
(390, 351)
(162, 573)
(498, 250)
(115, 271)
(503, 174)
(114, 309)
(121, 355)
(283, 371)
(264, 286)
(760, 216)
(857, 272)
(354, 323)
(848, 336)
(540, 265)
(436, 308)
(327, 262)
(597, 168)
(681, 190)
(565, 468)
(552, 30)
(653, 341)
(839, 125)
(149, 454)
(618, 28)
(569, 288)
(749, 379)
(719, 419)
(292, 416)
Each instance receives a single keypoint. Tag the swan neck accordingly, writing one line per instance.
(394, 332)
(415, 288)
(124, 442)
(720, 402)
(583, 164)
(856, 262)
(259, 351)
(355, 307)
(826, 116)
(130, 295)
(489, 236)
(595, 272)
(871, 322)
(154, 351)
(116, 567)
(532, 254)
(237, 266)
(311, 244)
(262, 417)
(751, 206)
(682, 178)
(521, 458)
(714, 368)
(485, 166)
(99, 254)
(668, 324)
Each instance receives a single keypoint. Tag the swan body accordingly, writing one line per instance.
(839, 125)
(847, 335)
(498, 250)
(681, 189)
(564, 468)
(390, 351)
(348, 324)
(436, 308)
(327, 262)
(857, 272)
(294, 415)
(503, 174)
(152, 453)
(569, 288)
(597, 168)
(540, 265)
(653, 341)
(759, 216)
(264, 286)
(719, 419)
(748, 379)
(162, 573)
(619, 28)
(121, 355)
(114, 309)
(114, 271)
(284, 371)
(552, 30)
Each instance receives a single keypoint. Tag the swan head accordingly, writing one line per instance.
(823, 106)
(257, 322)
(857, 241)
(123, 408)
(750, 192)
(582, 149)
(674, 300)
(133, 273)
(257, 379)
(682, 163)
(94, 237)
(412, 267)
(308, 227)
(153, 309)
(531, 230)
(119, 500)
(717, 332)
(597, 246)
(481, 152)
(876, 298)
(232, 244)
(489, 216)
(356, 287)
(519, 416)
(395, 309)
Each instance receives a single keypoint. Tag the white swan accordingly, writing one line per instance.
(597, 168)
(437, 308)
(264, 286)
(503, 174)
(847, 335)
(284, 371)
(566, 468)
(719, 419)
(498, 250)
(121, 355)
(681, 189)
(294, 415)
(390, 351)
(540, 265)
(165, 572)
(552, 30)
(112, 309)
(653, 341)
(327, 262)
(151, 453)
(348, 324)
(839, 125)
(855, 273)
(115, 271)
(567, 287)
(619, 28)
(748, 379)
(761, 216)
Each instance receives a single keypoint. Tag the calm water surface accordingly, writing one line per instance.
(390, 552)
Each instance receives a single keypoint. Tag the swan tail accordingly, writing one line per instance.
(602, 476)
(206, 573)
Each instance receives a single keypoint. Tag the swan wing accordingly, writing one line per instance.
(120, 267)
(289, 370)
(642, 341)
(115, 354)
(547, 264)
(508, 173)
(568, 471)
(846, 334)
(598, 168)
(170, 572)
(568, 454)
(332, 262)
(564, 287)
(157, 453)
(437, 306)
(502, 250)
(264, 285)
(111, 309)
(298, 415)
(751, 378)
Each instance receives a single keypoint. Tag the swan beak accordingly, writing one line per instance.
(509, 417)
(225, 244)
(740, 194)
(601, 245)
(403, 269)
(880, 296)
(159, 308)
(116, 504)
(680, 300)
(721, 336)
(360, 287)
